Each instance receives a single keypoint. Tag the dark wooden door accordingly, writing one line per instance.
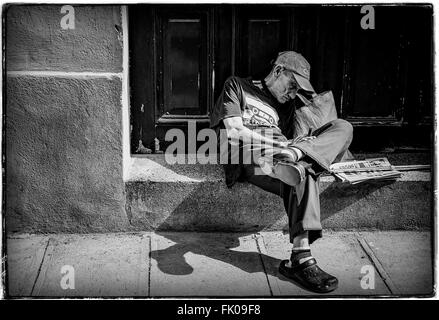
(180, 56)
(183, 62)
(176, 45)
(384, 75)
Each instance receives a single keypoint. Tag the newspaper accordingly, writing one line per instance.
(359, 171)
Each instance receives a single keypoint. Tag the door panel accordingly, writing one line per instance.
(375, 67)
(261, 34)
(183, 59)
(182, 70)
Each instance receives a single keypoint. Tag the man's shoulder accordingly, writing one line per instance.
(246, 84)
(241, 81)
(238, 80)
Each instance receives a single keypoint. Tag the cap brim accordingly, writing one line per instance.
(303, 83)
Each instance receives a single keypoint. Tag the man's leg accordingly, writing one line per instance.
(302, 201)
(304, 227)
(329, 146)
(304, 212)
(303, 217)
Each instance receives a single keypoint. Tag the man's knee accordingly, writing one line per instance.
(344, 126)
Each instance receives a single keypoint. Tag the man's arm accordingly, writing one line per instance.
(237, 131)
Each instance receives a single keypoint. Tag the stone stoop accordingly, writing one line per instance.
(194, 197)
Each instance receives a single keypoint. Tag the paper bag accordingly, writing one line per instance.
(315, 114)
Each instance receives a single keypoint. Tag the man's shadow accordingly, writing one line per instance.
(218, 246)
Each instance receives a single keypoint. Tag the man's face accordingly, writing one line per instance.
(285, 86)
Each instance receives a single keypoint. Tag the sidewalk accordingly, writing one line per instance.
(184, 264)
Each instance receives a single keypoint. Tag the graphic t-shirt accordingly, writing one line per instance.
(247, 99)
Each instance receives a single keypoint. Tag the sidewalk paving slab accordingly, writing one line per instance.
(337, 253)
(24, 257)
(103, 264)
(196, 264)
(407, 259)
(206, 264)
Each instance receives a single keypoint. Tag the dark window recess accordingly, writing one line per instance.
(184, 70)
(183, 66)
(181, 62)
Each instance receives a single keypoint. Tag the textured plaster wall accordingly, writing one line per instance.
(64, 120)
(36, 41)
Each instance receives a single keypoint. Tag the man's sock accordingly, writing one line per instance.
(298, 152)
(294, 153)
(299, 256)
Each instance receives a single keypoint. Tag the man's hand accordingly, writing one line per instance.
(289, 143)
(283, 144)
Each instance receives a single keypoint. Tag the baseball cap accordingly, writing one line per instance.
(296, 63)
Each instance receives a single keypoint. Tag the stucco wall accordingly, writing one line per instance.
(36, 41)
(64, 120)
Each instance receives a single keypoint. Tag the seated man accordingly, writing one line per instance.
(247, 110)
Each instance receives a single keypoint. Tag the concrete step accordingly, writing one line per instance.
(195, 198)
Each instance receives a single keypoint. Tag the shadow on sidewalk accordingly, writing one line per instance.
(218, 246)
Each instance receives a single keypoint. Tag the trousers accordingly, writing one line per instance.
(330, 145)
